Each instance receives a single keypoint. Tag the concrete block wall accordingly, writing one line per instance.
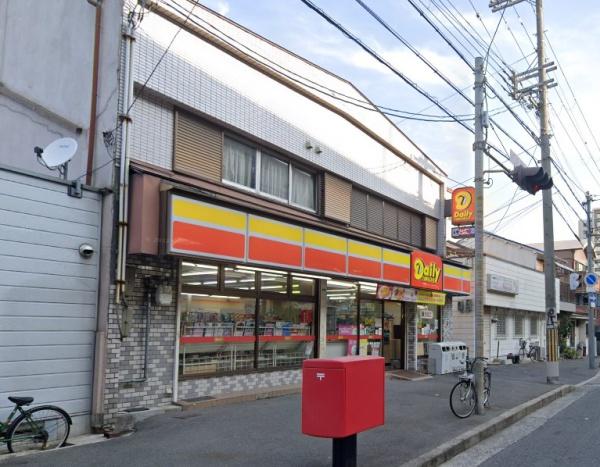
(124, 388)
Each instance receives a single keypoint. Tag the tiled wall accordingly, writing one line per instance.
(189, 389)
(177, 80)
(125, 357)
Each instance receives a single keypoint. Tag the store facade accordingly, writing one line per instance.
(258, 237)
(257, 295)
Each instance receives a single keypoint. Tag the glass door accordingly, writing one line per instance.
(394, 334)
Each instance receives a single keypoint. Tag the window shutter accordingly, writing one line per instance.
(359, 209)
(404, 223)
(430, 233)
(390, 221)
(198, 147)
(375, 215)
(416, 230)
(338, 198)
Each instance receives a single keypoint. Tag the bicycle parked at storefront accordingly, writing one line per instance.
(463, 397)
(534, 352)
(43, 427)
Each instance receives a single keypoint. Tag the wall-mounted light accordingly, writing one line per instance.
(318, 150)
(308, 145)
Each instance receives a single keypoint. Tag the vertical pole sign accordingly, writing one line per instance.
(463, 206)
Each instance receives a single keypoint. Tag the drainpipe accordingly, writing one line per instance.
(92, 128)
(124, 166)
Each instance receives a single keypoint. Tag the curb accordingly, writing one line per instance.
(469, 439)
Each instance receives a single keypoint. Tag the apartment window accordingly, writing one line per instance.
(274, 177)
(239, 163)
(303, 189)
(533, 326)
(501, 325)
(518, 325)
(248, 167)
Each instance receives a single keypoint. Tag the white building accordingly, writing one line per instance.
(514, 306)
(59, 65)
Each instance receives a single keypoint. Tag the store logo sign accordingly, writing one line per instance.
(426, 271)
(463, 205)
(320, 376)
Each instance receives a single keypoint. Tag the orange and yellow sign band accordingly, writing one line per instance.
(198, 228)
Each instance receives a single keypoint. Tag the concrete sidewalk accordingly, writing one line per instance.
(267, 432)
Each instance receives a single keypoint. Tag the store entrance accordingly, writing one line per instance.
(394, 332)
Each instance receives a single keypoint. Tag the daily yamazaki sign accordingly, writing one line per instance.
(463, 205)
(425, 270)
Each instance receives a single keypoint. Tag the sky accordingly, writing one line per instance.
(572, 30)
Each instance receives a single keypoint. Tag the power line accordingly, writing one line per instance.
(560, 68)
(401, 75)
(565, 221)
(276, 67)
(494, 91)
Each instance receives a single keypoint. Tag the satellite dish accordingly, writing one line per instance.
(58, 152)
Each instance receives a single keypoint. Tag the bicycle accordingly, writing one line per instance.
(534, 352)
(42, 427)
(463, 397)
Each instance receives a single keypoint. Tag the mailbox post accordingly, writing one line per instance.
(340, 398)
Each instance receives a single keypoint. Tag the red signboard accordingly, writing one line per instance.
(425, 270)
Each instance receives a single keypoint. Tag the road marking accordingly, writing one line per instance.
(493, 445)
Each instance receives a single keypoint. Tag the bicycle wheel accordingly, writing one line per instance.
(43, 427)
(487, 387)
(462, 399)
(533, 355)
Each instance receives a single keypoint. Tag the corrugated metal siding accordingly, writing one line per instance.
(358, 216)
(430, 233)
(338, 195)
(198, 147)
(48, 292)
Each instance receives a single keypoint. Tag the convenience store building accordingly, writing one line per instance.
(265, 228)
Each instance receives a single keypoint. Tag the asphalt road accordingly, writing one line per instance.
(564, 433)
(571, 437)
(267, 432)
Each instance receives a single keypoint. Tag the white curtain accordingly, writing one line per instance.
(274, 177)
(239, 163)
(303, 191)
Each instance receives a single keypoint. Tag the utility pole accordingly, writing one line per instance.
(590, 269)
(479, 148)
(528, 96)
(552, 371)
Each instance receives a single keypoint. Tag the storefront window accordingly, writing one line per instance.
(303, 286)
(427, 327)
(370, 327)
(217, 334)
(273, 283)
(225, 317)
(285, 333)
(199, 275)
(342, 318)
(240, 279)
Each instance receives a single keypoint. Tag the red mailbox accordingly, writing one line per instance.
(342, 396)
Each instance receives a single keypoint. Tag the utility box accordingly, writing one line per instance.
(446, 357)
(342, 396)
